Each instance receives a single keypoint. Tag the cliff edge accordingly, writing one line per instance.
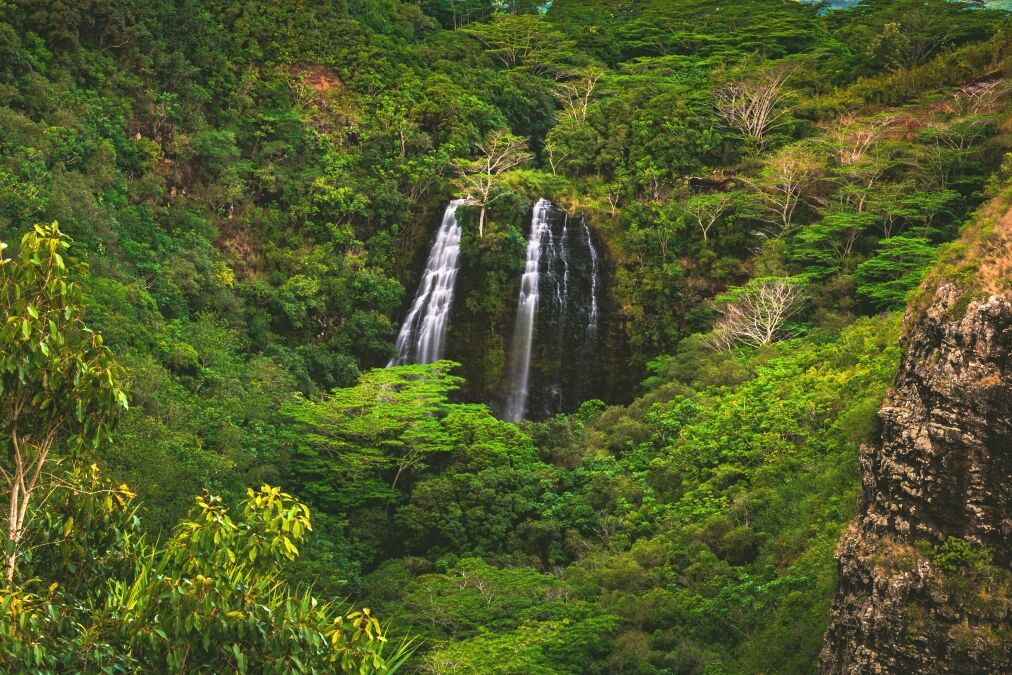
(925, 568)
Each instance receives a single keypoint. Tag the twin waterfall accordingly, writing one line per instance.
(553, 356)
(422, 338)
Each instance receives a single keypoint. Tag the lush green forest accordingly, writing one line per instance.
(214, 214)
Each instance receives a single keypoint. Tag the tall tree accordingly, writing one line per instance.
(523, 41)
(899, 264)
(479, 179)
(212, 597)
(756, 105)
(705, 210)
(756, 313)
(58, 383)
(786, 181)
(576, 89)
(360, 443)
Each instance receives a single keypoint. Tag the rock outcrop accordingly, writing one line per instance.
(940, 471)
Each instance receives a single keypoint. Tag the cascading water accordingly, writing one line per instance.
(422, 337)
(527, 307)
(595, 270)
(555, 339)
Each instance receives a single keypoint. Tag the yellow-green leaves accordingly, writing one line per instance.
(47, 354)
(57, 381)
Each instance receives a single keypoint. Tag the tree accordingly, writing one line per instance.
(757, 105)
(211, 599)
(899, 264)
(479, 179)
(947, 146)
(564, 634)
(458, 13)
(357, 445)
(863, 158)
(572, 145)
(853, 138)
(555, 153)
(705, 210)
(898, 34)
(522, 41)
(901, 206)
(58, 383)
(575, 89)
(784, 183)
(755, 314)
(826, 245)
(490, 497)
(978, 98)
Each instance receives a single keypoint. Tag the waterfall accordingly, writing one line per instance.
(422, 336)
(554, 358)
(527, 307)
(595, 267)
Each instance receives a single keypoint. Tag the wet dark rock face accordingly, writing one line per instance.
(941, 468)
(572, 314)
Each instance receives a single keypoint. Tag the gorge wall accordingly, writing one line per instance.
(545, 354)
(917, 593)
(562, 304)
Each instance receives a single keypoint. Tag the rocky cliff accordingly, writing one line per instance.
(924, 570)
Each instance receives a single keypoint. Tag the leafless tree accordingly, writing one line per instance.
(576, 89)
(853, 138)
(978, 98)
(787, 179)
(756, 106)
(479, 179)
(755, 314)
(706, 210)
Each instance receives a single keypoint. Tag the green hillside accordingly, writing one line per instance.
(216, 215)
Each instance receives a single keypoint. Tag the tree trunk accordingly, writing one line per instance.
(22, 481)
(481, 222)
(13, 531)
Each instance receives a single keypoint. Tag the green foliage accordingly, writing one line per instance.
(506, 621)
(58, 377)
(956, 554)
(724, 501)
(213, 597)
(358, 443)
(523, 41)
(253, 186)
(58, 383)
(907, 33)
(695, 526)
(900, 263)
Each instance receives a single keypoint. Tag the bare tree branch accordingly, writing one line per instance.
(755, 314)
(756, 106)
(479, 179)
(576, 89)
(787, 180)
